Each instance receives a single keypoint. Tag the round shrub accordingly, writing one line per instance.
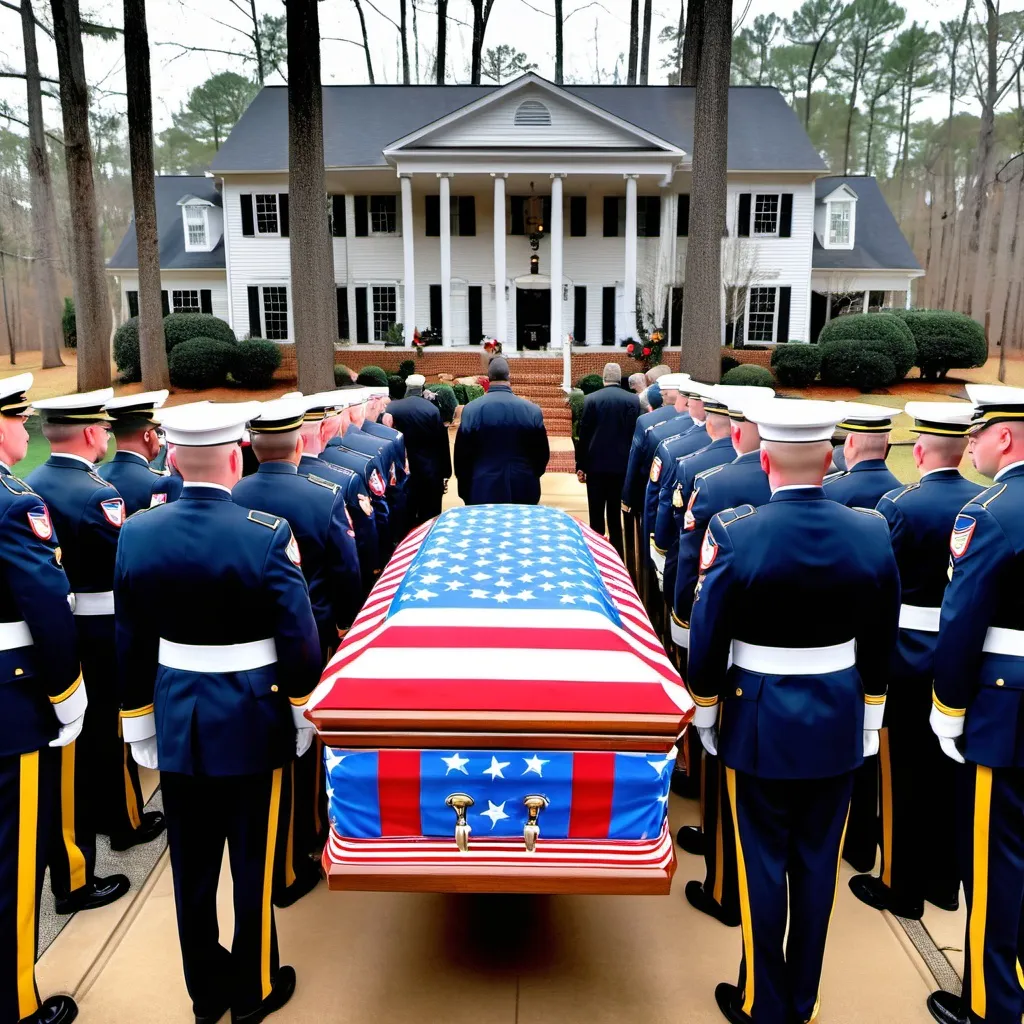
(474, 391)
(575, 402)
(200, 363)
(944, 339)
(179, 327)
(590, 383)
(446, 401)
(857, 364)
(342, 376)
(396, 386)
(126, 351)
(406, 367)
(372, 377)
(728, 363)
(885, 327)
(69, 325)
(460, 393)
(750, 375)
(796, 365)
(254, 362)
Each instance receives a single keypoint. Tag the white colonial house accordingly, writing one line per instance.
(524, 212)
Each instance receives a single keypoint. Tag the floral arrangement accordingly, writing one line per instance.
(417, 342)
(647, 353)
(492, 347)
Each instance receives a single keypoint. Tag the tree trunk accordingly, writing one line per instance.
(634, 40)
(849, 120)
(442, 40)
(692, 41)
(559, 28)
(92, 310)
(366, 41)
(257, 43)
(44, 223)
(152, 350)
(680, 35)
(1008, 220)
(645, 42)
(404, 32)
(312, 259)
(702, 296)
(415, 44)
(810, 82)
(481, 14)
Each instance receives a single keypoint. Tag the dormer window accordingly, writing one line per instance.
(202, 223)
(195, 227)
(840, 216)
(838, 230)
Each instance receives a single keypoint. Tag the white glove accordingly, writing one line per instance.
(948, 728)
(69, 733)
(870, 742)
(144, 753)
(705, 721)
(661, 582)
(709, 739)
(949, 748)
(657, 558)
(304, 731)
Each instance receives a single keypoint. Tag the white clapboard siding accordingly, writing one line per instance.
(171, 280)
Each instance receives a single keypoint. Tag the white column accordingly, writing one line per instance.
(629, 275)
(867, 299)
(409, 303)
(557, 333)
(500, 305)
(446, 260)
(828, 305)
(907, 302)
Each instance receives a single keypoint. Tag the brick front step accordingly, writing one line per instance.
(562, 462)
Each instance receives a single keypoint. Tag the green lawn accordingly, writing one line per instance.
(39, 450)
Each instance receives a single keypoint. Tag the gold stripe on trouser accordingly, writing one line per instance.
(979, 903)
(76, 859)
(266, 924)
(28, 831)
(746, 919)
(289, 850)
(1020, 975)
(129, 793)
(885, 764)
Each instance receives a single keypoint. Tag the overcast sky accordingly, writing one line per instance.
(521, 23)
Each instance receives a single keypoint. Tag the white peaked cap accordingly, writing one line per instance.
(861, 417)
(279, 416)
(377, 392)
(205, 424)
(944, 418)
(415, 380)
(735, 398)
(698, 389)
(673, 381)
(145, 400)
(792, 420)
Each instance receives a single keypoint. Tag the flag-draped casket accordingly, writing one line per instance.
(501, 717)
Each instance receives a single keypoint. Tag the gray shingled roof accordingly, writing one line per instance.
(362, 120)
(879, 243)
(169, 189)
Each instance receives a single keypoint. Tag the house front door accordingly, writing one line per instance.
(533, 318)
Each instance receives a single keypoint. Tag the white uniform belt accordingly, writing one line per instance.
(1004, 641)
(915, 616)
(14, 635)
(793, 661)
(94, 604)
(217, 657)
(680, 635)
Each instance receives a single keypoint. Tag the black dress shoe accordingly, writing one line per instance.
(151, 824)
(303, 884)
(101, 892)
(56, 1010)
(875, 893)
(947, 1008)
(944, 903)
(730, 1002)
(691, 839)
(700, 900)
(284, 986)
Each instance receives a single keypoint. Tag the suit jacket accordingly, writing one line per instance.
(426, 438)
(501, 449)
(606, 430)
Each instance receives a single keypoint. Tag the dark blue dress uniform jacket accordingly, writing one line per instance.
(501, 449)
(357, 439)
(138, 482)
(33, 590)
(641, 454)
(206, 571)
(371, 473)
(863, 485)
(672, 447)
(609, 418)
(770, 576)
(426, 438)
(315, 509)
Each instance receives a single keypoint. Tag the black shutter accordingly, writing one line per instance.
(743, 217)
(608, 311)
(433, 216)
(248, 225)
(362, 209)
(165, 305)
(338, 216)
(435, 307)
(786, 215)
(133, 303)
(362, 319)
(255, 329)
(578, 216)
(545, 213)
(467, 218)
(282, 213)
(341, 295)
(579, 315)
(782, 319)
(611, 217)
(652, 216)
(683, 216)
(205, 300)
(517, 205)
(476, 312)
(675, 322)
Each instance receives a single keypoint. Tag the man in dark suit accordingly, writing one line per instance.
(606, 430)
(426, 444)
(501, 448)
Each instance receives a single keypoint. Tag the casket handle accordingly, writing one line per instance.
(531, 830)
(460, 803)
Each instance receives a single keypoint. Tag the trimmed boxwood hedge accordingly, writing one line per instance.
(446, 401)
(749, 375)
(254, 362)
(372, 377)
(796, 365)
(885, 327)
(858, 364)
(575, 402)
(396, 386)
(126, 351)
(474, 391)
(201, 363)
(944, 340)
(406, 368)
(590, 383)
(178, 328)
(342, 376)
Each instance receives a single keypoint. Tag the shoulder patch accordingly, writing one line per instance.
(321, 482)
(113, 510)
(708, 551)
(264, 519)
(159, 498)
(656, 469)
(14, 485)
(867, 511)
(39, 520)
(960, 538)
(729, 516)
(376, 484)
(365, 504)
(292, 551)
(689, 522)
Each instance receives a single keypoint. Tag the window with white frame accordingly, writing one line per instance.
(383, 215)
(266, 213)
(195, 226)
(385, 310)
(761, 315)
(766, 214)
(839, 222)
(186, 301)
(275, 312)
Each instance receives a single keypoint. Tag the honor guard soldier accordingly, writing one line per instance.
(214, 693)
(376, 401)
(44, 703)
(139, 441)
(796, 720)
(314, 507)
(430, 456)
(99, 772)
(918, 857)
(976, 713)
(740, 482)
